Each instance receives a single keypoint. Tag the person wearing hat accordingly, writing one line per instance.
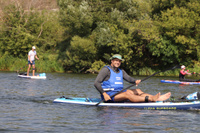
(183, 73)
(109, 81)
(31, 60)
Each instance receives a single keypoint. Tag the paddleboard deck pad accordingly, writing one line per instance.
(179, 82)
(39, 76)
(192, 105)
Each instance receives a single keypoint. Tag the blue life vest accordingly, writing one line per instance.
(115, 83)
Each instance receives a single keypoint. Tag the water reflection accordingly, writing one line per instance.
(122, 119)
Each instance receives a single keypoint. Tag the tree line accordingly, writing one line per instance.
(81, 36)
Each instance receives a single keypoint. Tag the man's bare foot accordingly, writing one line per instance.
(164, 97)
(154, 98)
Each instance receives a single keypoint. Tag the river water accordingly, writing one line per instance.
(27, 106)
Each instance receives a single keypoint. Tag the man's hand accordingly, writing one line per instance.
(106, 96)
(137, 82)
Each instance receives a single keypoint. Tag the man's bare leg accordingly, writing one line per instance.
(128, 95)
(141, 93)
(33, 70)
(29, 66)
(161, 98)
(136, 91)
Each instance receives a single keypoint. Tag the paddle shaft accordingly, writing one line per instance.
(21, 68)
(135, 83)
(185, 100)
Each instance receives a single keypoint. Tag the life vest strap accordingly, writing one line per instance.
(108, 89)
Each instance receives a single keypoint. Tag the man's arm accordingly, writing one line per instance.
(185, 72)
(103, 75)
(129, 78)
(36, 57)
(29, 57)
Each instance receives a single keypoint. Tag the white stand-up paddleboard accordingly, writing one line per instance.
(39, 76)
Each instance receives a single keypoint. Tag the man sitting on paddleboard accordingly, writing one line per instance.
(110, 81)
(183, 73)
(31, 60)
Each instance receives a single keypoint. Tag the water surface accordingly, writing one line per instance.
(27, 106)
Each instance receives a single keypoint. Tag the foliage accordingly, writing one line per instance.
(48, 63)
(149, 34)
(80, 54)
(179, 27)
(14, 38)
(6, 62)
(77, 18)
(22, 29)
(96, 67)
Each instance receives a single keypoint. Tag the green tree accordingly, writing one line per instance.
(80, 54)
(14, 38)
(21, 30)
(76, 17)
(178, 28)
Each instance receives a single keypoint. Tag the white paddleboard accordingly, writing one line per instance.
(39, 76)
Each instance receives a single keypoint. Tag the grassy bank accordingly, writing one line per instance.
(9, 63)
(16, 64)
(50, 63)
(175, 72)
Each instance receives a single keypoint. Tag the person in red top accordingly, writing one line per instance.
(183, 73)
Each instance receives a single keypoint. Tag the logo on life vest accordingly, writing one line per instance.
(118, 78)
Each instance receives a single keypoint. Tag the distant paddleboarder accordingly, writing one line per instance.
(31, 60)
(183, 73)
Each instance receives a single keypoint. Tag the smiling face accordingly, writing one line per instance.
(116, 63)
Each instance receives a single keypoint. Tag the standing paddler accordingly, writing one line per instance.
(31, 60)
(110, 81)
(182, 74)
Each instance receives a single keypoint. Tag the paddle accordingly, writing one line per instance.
(177, 101)
(134, 83)
(180, 100)
(21, 68)
(196, 74)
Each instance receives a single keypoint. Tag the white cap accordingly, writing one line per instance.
(33, 47)
(182, 66)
